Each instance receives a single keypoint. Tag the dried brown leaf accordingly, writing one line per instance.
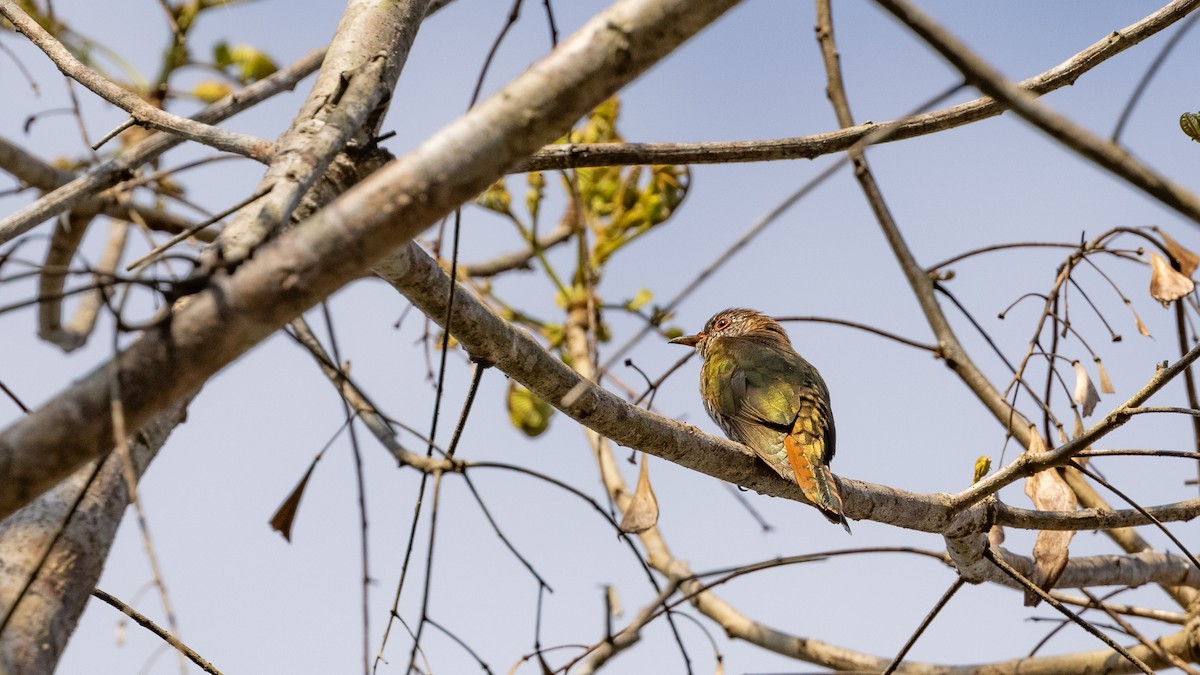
(1037, 446)
(1166, 284)
(285, 515)
(1049, 492)
(1049, 559)
(642, 513)
(1188, 261)
(1085, 392)
(1140, 326)
(1106, 384)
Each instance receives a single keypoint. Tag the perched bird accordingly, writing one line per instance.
(763, 394)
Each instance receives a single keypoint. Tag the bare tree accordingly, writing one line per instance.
(334, 209)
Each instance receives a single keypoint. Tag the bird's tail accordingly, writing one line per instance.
(806, 454)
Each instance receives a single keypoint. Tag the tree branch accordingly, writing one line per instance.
(142, 112)
(69, 195)
(1093, 519)
(1102, 152)
(578, 155)
(54, 550)
(336, 245)
(357, 77)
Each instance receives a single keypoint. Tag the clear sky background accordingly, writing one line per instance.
(251, 602)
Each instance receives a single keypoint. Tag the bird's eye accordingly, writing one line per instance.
(721, 324)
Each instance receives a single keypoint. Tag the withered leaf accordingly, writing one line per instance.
(1037, 446)
(1167, 285)
(1106, 384)
(642, 513)
(1188, 261)
(1190, 123)
(285, 515)
(1141, 327)
(1085, 392)
(1049, 492)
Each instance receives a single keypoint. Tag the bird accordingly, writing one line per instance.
(766, 396)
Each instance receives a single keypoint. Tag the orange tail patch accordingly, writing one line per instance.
(805, 453)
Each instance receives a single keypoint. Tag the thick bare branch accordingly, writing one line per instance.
(54, 550)
(355, 83)
(334, 247)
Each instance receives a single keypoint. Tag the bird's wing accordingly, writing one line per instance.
(770, 392)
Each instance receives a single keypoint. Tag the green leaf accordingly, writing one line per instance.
(640, 300)
(221, 55)
(527, 411)
(251, 63)
(496, 198)
(533, 196)
(211, 91)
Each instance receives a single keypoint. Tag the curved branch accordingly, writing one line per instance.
(578, 155)
(517, 259)
(1104, 153)
(490, 339)
(320, 255)
(860, 326)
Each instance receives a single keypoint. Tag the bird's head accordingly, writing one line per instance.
(736, 323)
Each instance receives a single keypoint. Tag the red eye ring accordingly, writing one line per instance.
(721, 324)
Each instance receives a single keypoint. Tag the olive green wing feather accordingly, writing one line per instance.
(757, 386)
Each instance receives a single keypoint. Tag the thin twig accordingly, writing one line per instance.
(863, 327)
(1033, 588)
(1102, 152)
(912, 640)
(142, 112)
(361, 488)
(146, 623)
(1135, 634)
(83, 188)
(1139, 508)
(191, 231)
